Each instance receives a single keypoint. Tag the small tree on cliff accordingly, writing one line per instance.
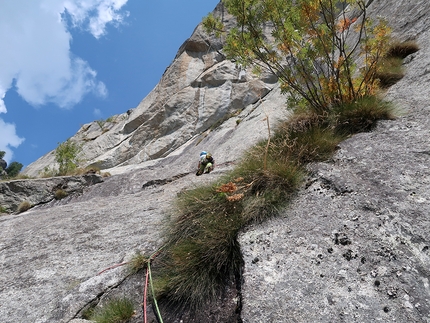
(13, 169)
(67, 156)
(311, 45)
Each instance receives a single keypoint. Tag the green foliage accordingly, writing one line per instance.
(13, 169)
(308, 50)
(115, 311)
(67, 157)
(3, 209)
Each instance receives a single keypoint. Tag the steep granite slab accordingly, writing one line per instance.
(354, 245)
(51, 255)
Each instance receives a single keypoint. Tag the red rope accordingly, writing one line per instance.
(145, 296)
(112, 267)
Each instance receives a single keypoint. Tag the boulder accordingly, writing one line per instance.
(42, 191)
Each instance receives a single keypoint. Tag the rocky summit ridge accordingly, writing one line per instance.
(352, 247)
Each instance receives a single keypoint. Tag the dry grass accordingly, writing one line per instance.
(391, 66)
(361, 116)
(402, 49)
(24, 206)
(60, 194)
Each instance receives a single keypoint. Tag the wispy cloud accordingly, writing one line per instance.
(97, 113)
(35, 50)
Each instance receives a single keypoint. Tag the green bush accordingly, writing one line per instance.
(67, 157)
(310, 48)
(13, 169)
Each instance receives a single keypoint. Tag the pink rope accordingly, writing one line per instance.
(145, 296)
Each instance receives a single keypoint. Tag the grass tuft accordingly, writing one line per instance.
(60, 194)
(391, 66)
(24, 206)
(137, 263)
(402, 49)
(115, 311)
(361, 116)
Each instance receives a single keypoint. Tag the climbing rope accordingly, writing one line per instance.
(148, 279)
(149, 275)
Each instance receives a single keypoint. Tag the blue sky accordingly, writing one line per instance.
(69, 62)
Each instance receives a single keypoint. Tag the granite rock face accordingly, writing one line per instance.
(354, 245)
(41, 191)
(197, 91)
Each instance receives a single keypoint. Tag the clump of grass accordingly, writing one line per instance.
(48, 172)
(115, 311)
(402, 49)
(137, 262)
(88, 312)
(361, 115)
(24, 206)
(391, 66)
(202, 250)
(391, 72)
(3, 210)
(60, 194)
(305, 138)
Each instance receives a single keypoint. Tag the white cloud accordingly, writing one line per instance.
(8, 138)
(35, 47)
(97, 113)
(35, 52)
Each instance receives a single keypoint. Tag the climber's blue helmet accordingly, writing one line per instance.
(203, 153)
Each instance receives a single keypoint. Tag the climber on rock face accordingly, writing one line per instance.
(206, 163)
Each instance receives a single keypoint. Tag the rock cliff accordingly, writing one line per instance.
(352, 247)
(197, 92)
